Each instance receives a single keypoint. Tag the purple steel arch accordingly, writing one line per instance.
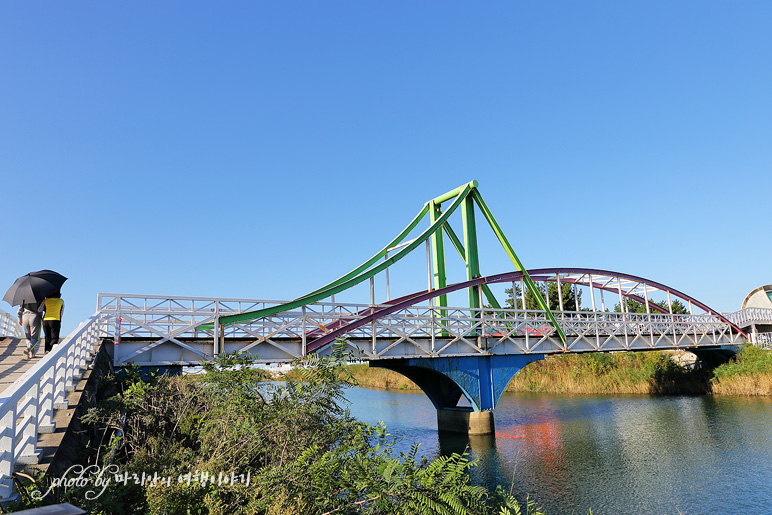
(539, 274)
(600, 287)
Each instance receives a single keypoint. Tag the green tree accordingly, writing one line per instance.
(514, 297)
(633, 306)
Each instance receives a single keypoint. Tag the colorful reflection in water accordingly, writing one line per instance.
(611, 454)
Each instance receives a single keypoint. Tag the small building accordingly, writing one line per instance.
(757, 315)
(761, 297)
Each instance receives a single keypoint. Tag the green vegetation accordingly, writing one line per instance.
(295, 442)
(591, 373)
(633, 306)
(603, 373)
(367, 377)
(653, 372)
(750, 373)
(572, 298)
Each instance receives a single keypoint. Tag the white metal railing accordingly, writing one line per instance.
(9, 326)
(164, 330)
(763, 340)
(748, 316)
(27, 406)
(165, 321)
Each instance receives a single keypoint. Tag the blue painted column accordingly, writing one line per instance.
(481, 379)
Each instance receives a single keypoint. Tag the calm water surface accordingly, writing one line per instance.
(611, 454)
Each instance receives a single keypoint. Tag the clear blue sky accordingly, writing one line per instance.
(261, 149)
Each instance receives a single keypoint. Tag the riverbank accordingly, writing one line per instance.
(750, 373)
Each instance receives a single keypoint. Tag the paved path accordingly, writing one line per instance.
(13, 363)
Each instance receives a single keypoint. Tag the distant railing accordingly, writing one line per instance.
(748, 316)
(27, 406)
(9, 326)
(763, 340)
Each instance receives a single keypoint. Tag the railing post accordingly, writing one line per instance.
(46, 423)
(482, 339)
(434, 328)
(372, 329)
(7, 451)
(60, 398)
(648, 316)
(388, 289)
(694, 325)
(28, 454)
(526, 329)
(623, 309)
(216, 330)
(304, 340)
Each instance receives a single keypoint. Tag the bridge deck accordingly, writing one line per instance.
(13, 363)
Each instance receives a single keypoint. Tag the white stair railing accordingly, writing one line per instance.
(27, 406)
(9, 326)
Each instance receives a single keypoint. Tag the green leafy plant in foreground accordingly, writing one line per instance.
(296, 442)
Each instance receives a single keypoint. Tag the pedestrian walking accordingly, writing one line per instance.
(53, 309)
(29, 318)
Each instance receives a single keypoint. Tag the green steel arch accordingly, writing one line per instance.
(465, 197)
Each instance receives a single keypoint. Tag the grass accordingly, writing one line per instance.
(750, 373)
(603, 373)
(366, 377)
(650, 372)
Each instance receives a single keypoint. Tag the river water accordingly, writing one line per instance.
(612, 454)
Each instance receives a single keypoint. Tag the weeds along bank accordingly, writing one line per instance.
(750, 373)
(286, 448)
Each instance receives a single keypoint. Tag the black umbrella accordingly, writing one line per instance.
(34, 287)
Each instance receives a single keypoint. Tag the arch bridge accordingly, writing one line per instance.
(471, 351)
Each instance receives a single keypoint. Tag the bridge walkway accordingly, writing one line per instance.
(13, 363)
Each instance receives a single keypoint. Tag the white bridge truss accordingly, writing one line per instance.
(158, 330)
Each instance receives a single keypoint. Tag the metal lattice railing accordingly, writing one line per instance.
(27, 406)
(763, 340)
(9, 326)
(157, 330)
(748, 316)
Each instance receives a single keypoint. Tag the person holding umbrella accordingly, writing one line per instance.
(29, 318)
(27, 292)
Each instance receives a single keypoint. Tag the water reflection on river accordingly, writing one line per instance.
(613, 454)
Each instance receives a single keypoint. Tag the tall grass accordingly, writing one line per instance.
(650, 372)
(603, 373)
(750, 373)
(370, 377)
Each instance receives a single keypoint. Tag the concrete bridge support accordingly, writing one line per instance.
(480, 379)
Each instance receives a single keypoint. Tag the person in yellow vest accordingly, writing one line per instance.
(53, 307)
